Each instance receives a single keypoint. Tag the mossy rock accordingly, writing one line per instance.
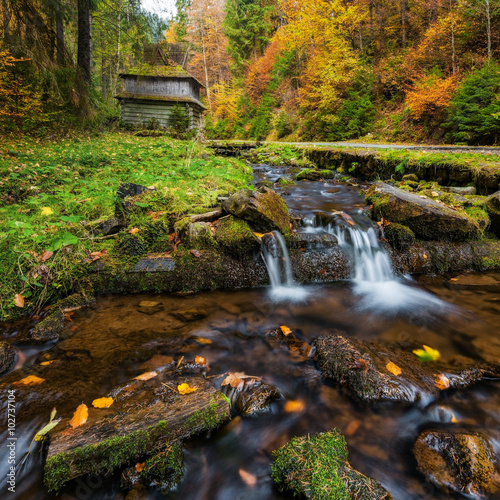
(427, 218)
(264, 209)
(462, 462)
(235, 237)
(311, 174)
(399, 236)
(410, 178)
(164, 470)
(7, 356)
(195, 234)
(493, 207)
(318, 467)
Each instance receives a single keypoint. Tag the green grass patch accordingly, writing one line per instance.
(51, 194)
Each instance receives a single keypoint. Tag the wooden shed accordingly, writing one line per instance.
(155, 87)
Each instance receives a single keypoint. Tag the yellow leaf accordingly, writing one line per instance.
(259, 235)
(294, 406)
(134, 230)
(146, 376)
(47, 211)
(393, 368)
(19, 300)
(202, 340)
(186, 389)
(285, 330)
(47, 363)
(442, 382)
(102, 402)
(80, 416)
(249, 479)
(30, 380)
(427, 354)
(454, 420)
(425, 256)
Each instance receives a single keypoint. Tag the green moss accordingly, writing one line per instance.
(318, 467)
(308, 174)
(209, 416)
(165, 469)
(399, 236)
(235, 237)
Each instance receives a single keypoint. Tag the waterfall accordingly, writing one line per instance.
(277, 261)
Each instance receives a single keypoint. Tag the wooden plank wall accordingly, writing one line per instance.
(140, 113)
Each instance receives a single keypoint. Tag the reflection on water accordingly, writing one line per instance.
(120, 338)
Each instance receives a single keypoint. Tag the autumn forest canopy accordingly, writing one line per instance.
(400, 70)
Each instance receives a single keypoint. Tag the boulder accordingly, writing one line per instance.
(399, 236)
(493, 207)
(462, 191)
(264, 210)
(127, 189)
(110, 226)
(427, 218)
(318, 467)
(235, 237)
(374, 371)
(195, 234)
(146, 417)
(461, 462)
(7, 356)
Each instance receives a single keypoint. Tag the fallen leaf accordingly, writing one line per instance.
(202, 340)
(80, 416)
(235, 380)
(29, 380)
(46, 255)
(393, 368)
(47, 363)
(67, 315)
(352, 427)
(199, 360)
(196, 253)
(454, 279)
(148, 303)
(47, 211)
(19, 300)
(425, 256)
(442, 382)
(294, 406)
(454, 420)
(259, 235)
(134, 230)
(140, 466)
(97, 255)
(285, 330)
(427, 354)
(102, 402)
(186, 389)
(41, 433)
(146, 376)
(249, 479)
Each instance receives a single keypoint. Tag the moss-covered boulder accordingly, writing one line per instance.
(195, 234)
(312, 174)
(399, 236)
(463, 463)
(318, 467)
(164, 470)
(264, 209)
(427, 218)
(493, 207)
(146, 417)
(235, 237)
(374, 371)
(7, 356)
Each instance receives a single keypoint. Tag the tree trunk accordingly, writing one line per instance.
(84, 55)
(61, 59)
(403, 6)
(104, 77)
(488, 25)
(453, 51)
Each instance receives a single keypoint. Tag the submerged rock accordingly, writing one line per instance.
(7, 356)
(373, 371)
(146, 417)
(283, 338)
(460, 462)
(318, 467)
(263, 209)
(427, 218)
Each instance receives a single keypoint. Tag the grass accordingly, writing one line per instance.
(52, 193)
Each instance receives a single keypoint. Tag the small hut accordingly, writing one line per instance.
(154, 88)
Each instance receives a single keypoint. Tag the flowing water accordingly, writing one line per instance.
(118, 339)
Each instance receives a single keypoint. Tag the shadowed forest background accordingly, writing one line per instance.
(422, 71)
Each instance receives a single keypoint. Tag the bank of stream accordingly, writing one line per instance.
(123, 336)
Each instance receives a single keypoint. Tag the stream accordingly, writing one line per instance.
(119, 339)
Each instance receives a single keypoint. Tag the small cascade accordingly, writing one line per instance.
(277, 261)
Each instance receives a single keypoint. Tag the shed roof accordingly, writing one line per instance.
(160, 71)
(159, 98)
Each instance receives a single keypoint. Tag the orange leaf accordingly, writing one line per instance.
(102, 402)
(352, 427)
(442, 382)
(394, 369)
(186, 389)
(80, 416)
(196, 253)
(19, 300)
(234, 380)
(67, 315)
(286, 331)
(146, 376)
(46, 255)
(199, 360)
(134, 230)
(139, 466)
(29, 380)
(249, 479)
(47, 363)
(294, 406)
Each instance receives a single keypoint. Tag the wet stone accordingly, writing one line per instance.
(110, 226)
(189, 315)
(253, 396)
(7, 356)
(154, 265)
(289, 342)
(461, 462)
(318, 467)
(361, 367)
